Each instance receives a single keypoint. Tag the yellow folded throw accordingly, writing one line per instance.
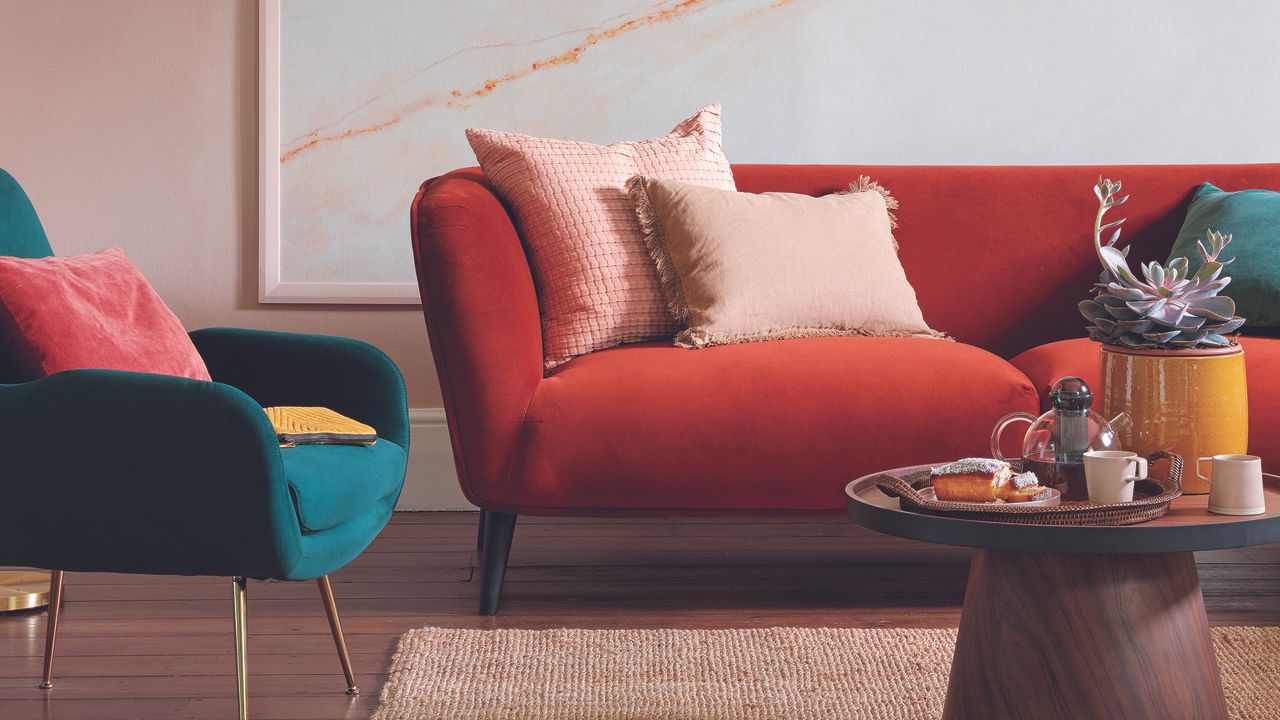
(318, 425)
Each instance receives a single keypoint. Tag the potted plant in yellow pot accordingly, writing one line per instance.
(1167, 357)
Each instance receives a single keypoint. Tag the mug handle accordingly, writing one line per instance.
(1139, 469)
(1200, 474)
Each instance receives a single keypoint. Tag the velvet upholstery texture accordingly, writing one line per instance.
(21, 234)
(1045, 364)
(349, 376)
(1252, 218)
(335, 484)
(999, 258)
(760, 427)
(89, 311)
(145, 473)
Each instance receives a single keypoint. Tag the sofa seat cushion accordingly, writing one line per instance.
(735, 429)
(1046, 363)
(332, 484)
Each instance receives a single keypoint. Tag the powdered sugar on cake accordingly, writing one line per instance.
(1024, 480)
(965, 466)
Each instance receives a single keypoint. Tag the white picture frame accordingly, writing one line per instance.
(272, 288)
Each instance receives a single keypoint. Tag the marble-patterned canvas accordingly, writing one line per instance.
(374, 95)
(374, 98)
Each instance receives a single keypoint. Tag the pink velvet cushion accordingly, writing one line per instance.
(597, 286)
(89, 311)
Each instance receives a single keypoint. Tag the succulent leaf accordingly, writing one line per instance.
(1181, 321)
(1223, 328)
(1218, 308)
(1135, 341)
(1121, 312)
(1092, 310)
(1123, 294)
(1138, 326)
(1148, 306)
(1209, 271)
(1113, 260)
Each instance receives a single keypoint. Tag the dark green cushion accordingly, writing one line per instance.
(1252, 218)
(332, 484)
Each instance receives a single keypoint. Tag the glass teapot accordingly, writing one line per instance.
(1054, 445)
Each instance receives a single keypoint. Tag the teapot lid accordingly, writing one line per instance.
(1071, 396)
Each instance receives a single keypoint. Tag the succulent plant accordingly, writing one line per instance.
(1168, 308)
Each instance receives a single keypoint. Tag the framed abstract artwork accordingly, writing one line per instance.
(320, 239)
(363, 101)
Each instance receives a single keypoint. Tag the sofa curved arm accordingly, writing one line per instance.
(482, 317)
(278, 368)
(114, 471)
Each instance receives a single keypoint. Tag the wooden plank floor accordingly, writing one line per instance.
(161, 647)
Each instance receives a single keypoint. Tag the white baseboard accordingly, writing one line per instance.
(431, 483)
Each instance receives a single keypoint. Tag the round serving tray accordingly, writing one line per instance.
(1151, 501)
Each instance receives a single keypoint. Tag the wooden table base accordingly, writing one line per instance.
(1046, 635)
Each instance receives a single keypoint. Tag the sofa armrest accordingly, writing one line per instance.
(116, 471)
(278, 368)
(482, 318)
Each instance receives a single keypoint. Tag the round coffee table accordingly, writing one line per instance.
(1077, 621)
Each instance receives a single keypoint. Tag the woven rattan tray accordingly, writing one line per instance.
(1151, 500)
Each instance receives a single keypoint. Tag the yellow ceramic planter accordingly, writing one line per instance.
(1193, 402)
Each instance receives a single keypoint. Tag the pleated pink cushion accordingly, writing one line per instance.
(597, 286)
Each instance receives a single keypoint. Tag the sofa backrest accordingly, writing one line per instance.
(1000, 256)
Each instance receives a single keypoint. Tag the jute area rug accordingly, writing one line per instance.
(774, 673)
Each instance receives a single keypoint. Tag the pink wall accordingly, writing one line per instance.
(133, 123)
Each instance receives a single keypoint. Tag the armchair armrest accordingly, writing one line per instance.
(277, 368)
(116, 471)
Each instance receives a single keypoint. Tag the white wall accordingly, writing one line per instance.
(133, 123)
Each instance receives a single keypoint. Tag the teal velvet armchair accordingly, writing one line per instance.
(110, 471)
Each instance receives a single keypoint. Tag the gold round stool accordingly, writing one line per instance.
(23, 589)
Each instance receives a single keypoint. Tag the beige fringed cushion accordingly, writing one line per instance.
(739, 267)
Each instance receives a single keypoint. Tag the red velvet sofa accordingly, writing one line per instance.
(999, 258)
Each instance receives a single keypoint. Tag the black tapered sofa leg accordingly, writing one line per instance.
(484, 514)
(498, 530)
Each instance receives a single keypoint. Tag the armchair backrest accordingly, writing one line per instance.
(21, 234)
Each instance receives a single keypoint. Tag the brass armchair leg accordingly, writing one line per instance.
(51, 627)
(335, 626)
(239, 584)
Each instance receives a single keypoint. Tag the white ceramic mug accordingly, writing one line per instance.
(1236, 485)
(1110, 474)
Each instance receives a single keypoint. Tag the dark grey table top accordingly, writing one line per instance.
(1188, 526)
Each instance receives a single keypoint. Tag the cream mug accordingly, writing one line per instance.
(1236, 485)
(1110, 475)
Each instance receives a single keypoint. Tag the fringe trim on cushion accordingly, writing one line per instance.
(866, 184)
(655, 241)
(701, 339)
